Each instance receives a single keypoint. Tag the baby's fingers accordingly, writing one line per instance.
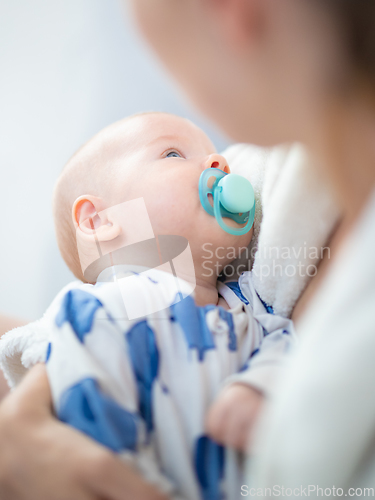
(217, 420)
(231, 418)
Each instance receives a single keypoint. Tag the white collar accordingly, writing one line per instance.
(113, 273)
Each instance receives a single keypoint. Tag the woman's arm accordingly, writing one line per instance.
(8, 323)
(4, 389)
(43, 459)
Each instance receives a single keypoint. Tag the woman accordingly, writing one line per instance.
(266, 71)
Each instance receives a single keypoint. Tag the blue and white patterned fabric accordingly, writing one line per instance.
(142, 386)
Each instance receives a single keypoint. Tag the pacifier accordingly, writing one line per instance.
(233, 197)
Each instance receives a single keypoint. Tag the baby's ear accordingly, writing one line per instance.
(92, 221)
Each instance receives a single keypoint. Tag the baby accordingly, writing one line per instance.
(151, 355)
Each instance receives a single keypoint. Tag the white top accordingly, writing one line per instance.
(320, 429)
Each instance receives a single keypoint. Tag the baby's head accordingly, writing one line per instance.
(156, 157)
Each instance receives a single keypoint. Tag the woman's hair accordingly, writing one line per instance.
(356, 21)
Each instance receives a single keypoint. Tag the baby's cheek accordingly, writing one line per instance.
(168, 216)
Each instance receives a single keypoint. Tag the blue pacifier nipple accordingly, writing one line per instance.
(232, 196)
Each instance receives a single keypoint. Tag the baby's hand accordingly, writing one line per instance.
(232, 416)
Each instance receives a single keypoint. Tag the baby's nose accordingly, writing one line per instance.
(217, 161)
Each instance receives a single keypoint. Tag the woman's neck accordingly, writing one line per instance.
(345, 151)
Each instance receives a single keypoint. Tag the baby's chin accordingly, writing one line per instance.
(215, 237)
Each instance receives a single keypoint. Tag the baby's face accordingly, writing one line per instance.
(160, 158)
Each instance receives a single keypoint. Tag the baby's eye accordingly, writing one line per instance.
(173, 154)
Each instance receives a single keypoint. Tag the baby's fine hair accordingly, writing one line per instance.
(87, 172)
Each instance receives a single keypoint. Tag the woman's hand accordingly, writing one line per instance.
(232, 416)
(43, 459)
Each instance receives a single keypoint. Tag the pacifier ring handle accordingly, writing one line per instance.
(217, 212)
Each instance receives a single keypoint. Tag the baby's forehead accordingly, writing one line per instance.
(150, 128)
(146, 130)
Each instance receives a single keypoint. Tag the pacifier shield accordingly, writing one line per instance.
(233, 198)
(237, 195)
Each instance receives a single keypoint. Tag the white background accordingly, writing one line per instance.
(68, 69)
